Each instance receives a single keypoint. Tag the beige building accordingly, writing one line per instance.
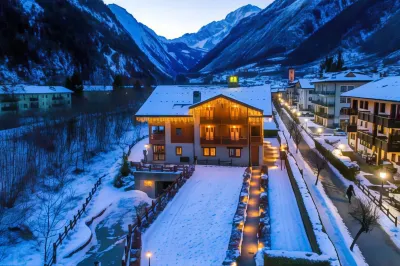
(23, 98)
(214, 124)
(329, 105)
(375, 119)
(305, 90)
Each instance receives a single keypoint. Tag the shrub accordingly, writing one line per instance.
(348, 173)
(125, 171)
(290, 261)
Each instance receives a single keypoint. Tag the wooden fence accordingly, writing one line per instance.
(132, 246)
(215, 162)
(379, 204)
(72, 223)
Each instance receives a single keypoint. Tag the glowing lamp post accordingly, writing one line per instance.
(306, 120)
(298, 114)
(148, 254)
(319, 130)
(145, 152)
(382, 175)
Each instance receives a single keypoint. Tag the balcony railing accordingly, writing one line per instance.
(387, 146)
(323, 103)
(365, 136)
(350, 111)
(352, 128)
(218, 140)
(324, 115)
(224, 120)
(385, 121)
(329, 93)
(366, 116)
(56, 98)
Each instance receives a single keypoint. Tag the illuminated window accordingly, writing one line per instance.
(178, 151)
(233, 79)
(209, 152)
(235, 153)
(148, 183)
(158, 152)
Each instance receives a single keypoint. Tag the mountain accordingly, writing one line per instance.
(211, 34)
(170, 58)
(45, 41)
(299, 32)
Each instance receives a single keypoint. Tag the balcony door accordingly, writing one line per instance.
(235, 113)
(210, 113)
(210, 133)
(235, 133)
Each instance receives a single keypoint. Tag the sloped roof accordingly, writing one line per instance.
(385, 89)
(32, 89)
(306, 84)
(177, 100)
(343, 77)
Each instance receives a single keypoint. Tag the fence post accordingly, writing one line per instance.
(54, 253)
(395, 221)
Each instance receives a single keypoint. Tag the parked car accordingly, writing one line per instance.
(339, 132)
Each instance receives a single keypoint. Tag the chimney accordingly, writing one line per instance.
(291, 74)
(196, 97)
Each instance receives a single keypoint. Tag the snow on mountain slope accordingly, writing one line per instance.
(210, 35)
(169, 58)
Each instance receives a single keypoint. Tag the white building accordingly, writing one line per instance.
(305, 90)
(329, 106)
(23, 98)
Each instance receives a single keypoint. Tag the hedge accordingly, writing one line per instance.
(291, 261)
(348, 173)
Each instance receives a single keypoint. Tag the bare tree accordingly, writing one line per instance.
(319, 163)
(366, 214)
(297, 137)
(52, 209)
(292, 127)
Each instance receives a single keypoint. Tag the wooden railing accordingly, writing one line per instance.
(215, 162)
(72, 223)
(379, 204)
(132, 242)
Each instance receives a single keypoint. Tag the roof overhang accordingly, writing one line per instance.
(227, 98)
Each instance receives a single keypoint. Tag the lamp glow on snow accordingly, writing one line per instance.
(341, 147)
(148, 254)
(298, 113)
(319, 130)
(146, 146)
(382, 175)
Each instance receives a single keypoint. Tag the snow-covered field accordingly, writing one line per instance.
(195, 227)
(287, 229)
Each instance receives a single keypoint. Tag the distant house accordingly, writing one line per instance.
(329, 105)
(305, 89)
(210, 123)
(22, 98)
(375, 119)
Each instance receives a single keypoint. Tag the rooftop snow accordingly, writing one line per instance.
(385, 89)
(28, 89)
(343, 76)
(306, 84)
(176, 100)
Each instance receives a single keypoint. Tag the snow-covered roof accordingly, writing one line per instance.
(97, 88)
(343, 77)
(177, 100)
(305, 84)
(385, 89)
(32, 89)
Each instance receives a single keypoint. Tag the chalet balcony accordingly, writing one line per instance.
(323, 103)
(224, 120)
(327, 93)
(218, 140)
(387, 146)
(324, 115)
(350, 111)
(385, 121)
(365, 136)
(58, 98)
(34, 99)
(157, 138)
(366, 116)
(352, 128)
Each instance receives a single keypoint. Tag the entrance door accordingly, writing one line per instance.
(255, 155)
(210, 133)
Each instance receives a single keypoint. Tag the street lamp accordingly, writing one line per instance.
(148, 254)
(382, 175)
(145, 152)
(306, 120)
(298, 114)
(319, 130)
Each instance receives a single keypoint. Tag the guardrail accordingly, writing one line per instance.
(133, 238)
(379, 204)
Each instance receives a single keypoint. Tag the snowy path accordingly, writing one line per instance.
(287, 229)
(195, 227)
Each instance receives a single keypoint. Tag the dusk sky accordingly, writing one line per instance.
(173, 18)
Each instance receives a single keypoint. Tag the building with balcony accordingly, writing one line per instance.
(305, 89)
(206, 122)
(374, 126)
(23, 98)
(329, 105)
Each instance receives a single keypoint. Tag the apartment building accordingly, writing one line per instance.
(375, 119)
(329, 105)
(207, 123)
(305, 89)
(23, 98)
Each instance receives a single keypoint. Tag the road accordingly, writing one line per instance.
(376, 246)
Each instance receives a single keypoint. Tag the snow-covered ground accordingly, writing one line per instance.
(331, 219)
(195, 227)
(287, 229)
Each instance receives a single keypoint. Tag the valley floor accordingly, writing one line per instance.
(195, 227)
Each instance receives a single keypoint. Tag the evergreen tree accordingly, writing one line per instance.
(74, 83)
(339, 61)
(118, 82)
